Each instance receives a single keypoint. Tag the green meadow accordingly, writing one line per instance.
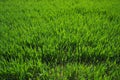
(59, 39)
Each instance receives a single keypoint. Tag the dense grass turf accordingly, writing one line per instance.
(59, 39)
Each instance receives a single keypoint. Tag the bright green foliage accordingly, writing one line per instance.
(59, 39)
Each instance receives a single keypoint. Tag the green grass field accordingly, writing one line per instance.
(59, 39)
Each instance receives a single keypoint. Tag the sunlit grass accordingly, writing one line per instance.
(59, 39)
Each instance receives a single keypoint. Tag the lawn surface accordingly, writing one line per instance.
(59, 39)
